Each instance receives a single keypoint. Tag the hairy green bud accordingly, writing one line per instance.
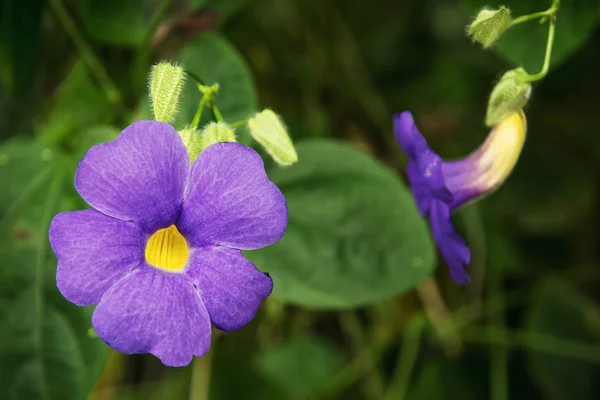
(509, 95)
(489, 25)
(268, 130)
(166, 83)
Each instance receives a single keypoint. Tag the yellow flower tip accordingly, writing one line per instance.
(167, 249)
(502, 149)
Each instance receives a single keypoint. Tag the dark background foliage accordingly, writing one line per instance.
(353, 315)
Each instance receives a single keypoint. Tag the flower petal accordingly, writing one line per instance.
(94, 251)
(139, 177)
(407, 134)
(150, 311)
(452, 246)
(430, 166)
(231, 287)
(230, 201)
(419, 188)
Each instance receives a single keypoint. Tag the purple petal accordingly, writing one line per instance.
(451, 244)
(419, 188)
(94, 251)
(230, 201)
(139, 177)
(150, 311)
(407, 134)
(231, 287)
(430, 167)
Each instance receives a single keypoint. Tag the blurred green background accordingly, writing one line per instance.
(361, 308)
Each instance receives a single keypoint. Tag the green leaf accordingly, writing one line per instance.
(214, 60)
(78, 104)
(559, 310)
(525, 44)
(354, 235)
(46, 352)
(118, 22)
(300, 365)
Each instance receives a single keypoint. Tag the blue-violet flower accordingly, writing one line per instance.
(440, 187)
(160, 250)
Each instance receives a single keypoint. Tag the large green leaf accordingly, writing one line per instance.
(214, 60)
(354, 235)
(560, 310)
(300, 365)
(525, 44)
(46, 352)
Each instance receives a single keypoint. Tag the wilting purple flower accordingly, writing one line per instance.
(160, 250)
(440, 187)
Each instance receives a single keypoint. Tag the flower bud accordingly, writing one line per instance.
(509, 96)
(216, 132)
(166, 83)
(268, 130)
(193, 142)
(489, 25)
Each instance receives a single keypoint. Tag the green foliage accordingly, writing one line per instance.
(76, 105)
(46, 351)
(118, 22)
(575, 22)
(214, 60)
(354, 235)
(333, 69)
(300, 365)
(559, 310)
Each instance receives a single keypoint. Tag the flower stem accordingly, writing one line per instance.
(406, 358)
(542, 74)
(201, 370)
(550, 15)
(198, 115)
(237, 124)
(91, 61)
(216, 112)
(440, 318)
(143, 53)
(535, 341)
(475, 233)
(373, 383)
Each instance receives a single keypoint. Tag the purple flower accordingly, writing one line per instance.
(160, 250)
(440, 187)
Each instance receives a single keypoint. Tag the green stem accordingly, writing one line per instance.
(201, 371)
(86, 53)
(498, 354)
(216, 112)
(406, 359)
(353, 370)
(142, 58)
(373, 384)
(237, 124)
(198, 115)
(475, 233)
(542, 14)
(194, 77)
(548, 56)
(437, 312)
(536, 342)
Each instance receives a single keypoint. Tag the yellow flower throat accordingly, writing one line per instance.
(167, 249)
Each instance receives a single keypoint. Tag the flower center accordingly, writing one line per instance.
(167, 249)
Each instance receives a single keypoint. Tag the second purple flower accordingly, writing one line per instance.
(440, 187)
